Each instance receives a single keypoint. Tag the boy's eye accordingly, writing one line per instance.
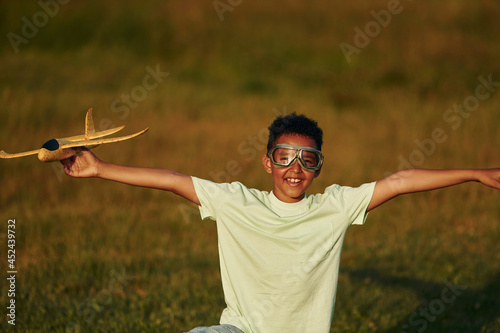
(282, 155)
(310, 158)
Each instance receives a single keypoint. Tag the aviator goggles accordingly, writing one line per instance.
(284, 155)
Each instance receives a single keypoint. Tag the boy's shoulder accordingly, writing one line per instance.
(214, 190)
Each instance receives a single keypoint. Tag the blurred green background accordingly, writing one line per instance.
(95, 256)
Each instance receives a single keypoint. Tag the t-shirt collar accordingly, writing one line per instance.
(288, 209)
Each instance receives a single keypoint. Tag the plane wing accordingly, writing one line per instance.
(3, 154)
(95, 134)
(100, 141)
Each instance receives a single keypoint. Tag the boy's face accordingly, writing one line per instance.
(291, 183)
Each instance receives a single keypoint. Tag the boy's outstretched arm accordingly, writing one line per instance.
(88, 165)
(417, 180)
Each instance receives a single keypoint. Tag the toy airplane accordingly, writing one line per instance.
(59, 149)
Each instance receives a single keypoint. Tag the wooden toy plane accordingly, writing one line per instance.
(59, 149)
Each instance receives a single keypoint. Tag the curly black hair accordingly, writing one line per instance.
(294, 124)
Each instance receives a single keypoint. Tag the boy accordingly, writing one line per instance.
(280, 250)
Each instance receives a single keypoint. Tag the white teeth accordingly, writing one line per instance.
(294, 180)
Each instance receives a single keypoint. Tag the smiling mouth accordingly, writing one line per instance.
(294, 181)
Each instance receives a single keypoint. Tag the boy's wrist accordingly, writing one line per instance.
(483, 175)
(100, 169)
(477, 175)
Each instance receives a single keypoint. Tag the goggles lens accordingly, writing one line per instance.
(283, 155)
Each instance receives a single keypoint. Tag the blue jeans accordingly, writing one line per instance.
(216, 329)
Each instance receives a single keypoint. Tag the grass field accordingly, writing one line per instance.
(95, 256)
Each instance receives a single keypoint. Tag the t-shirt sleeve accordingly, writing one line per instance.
(356, 201)
(206, 192)
(215, 198)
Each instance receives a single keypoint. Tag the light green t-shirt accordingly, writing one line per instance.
(280, 261)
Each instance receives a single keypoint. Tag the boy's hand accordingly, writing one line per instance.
(83, 164)
(489, 177)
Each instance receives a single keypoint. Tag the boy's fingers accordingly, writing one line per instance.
(67, 164)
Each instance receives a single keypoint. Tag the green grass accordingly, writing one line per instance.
(94, 256)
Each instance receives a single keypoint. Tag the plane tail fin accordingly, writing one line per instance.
(89, 125)
(90, 131)
(99, 141)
